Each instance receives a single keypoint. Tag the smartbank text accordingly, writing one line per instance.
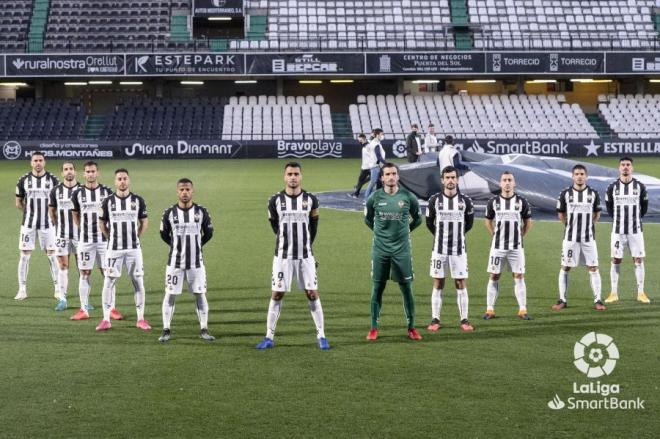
(527, 147)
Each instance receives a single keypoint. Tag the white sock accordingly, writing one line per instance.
(114, 296)
(202, 310)
(23, 267)
(639, 275)
(492, 292)
(462, 300)
(563, 284)
(317, 315)
(436, 303)
(84, 286)
(106, 296)
(139, 296)
(168, 310)
(274, 309)
(54, 269)
(63, 282)
(594, 280)
(520, 290)
(614, 278)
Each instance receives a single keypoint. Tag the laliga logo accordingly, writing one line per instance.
(399, 149)
(595, 355)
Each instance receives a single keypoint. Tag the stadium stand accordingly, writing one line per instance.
(332, 25)
(563, 24)
(14, 25)
(277, 117)
(86, 25)
(143, 118)
(495, 116)
(632, 116)
(41, 119)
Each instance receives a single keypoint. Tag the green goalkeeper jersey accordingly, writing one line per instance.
(392, 218)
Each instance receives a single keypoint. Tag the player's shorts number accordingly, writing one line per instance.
(495, 260)
(85, 256)
(61, 243)
(25, 237)
(569, 254)
(172, 279)
(617, 244)
(280, 275)
(112, 262)
(437, 264)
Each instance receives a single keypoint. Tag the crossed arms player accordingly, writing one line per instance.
(186, 227)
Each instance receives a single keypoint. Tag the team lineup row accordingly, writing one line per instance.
(103, 228)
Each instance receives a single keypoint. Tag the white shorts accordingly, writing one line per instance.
(457, 264)
(27, 240)
(634, 242)
(66, 246)
(514, 259)
(303, 270)
(131, 259)
(90, 254)
(579, 253)
(174, 278)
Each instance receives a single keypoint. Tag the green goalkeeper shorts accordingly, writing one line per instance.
(395, 267)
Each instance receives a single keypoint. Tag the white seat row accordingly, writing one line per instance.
(632, 116)
(277, 121)
(276, 100)
(499, 116)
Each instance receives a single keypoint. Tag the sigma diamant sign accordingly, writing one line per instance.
(27, 65)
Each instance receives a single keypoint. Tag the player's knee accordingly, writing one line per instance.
(566, 269)
(518, 276)
(459, 283)
(26, 252)
(638, 260)
(617, 261)
(494, 276)
(593, 269)
(277, 295)
(312, 294)
(438, 283)
(85, 273)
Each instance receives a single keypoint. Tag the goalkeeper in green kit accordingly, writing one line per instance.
(392, 213)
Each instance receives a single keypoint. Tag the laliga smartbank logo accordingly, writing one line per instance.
(595, 355)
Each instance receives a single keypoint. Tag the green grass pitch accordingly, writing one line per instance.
(61, 379)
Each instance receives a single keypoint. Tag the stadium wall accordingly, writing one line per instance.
(335, 148)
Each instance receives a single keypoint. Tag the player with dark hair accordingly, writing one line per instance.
(123, 221)
(374, 159)
(60, 208)
(392, 213)
(294, 215)
(579, 209)
(449, 216)
(185, 227)
(508, 220)
(627, 201)
(32, 195)
(365, 169)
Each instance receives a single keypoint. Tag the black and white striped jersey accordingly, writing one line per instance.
(579, 208)
(186, 231)
(291, 220)
(60, 200)
(627, 203)
(35, 192)
(122, 216)
(449, 218)
(509, 215)
(87, 202)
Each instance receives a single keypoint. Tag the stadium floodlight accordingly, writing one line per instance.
(426, 81)
(589, 80)
(654, 80)
(13, 84)
(192, 82)
(342, 81)
(219, 18)
(541, 81)
(75, 83)
(245, 81)
(130, 83)
(100, 82)
(481, 81)
(310, 81)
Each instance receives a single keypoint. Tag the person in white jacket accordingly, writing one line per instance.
(375, 158)
(430, 140)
